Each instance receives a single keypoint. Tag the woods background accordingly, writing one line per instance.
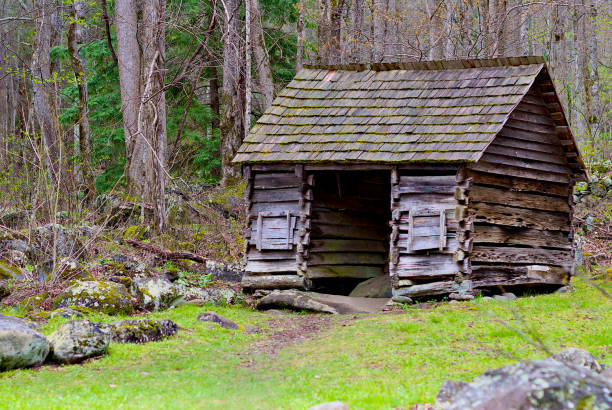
(144, 96)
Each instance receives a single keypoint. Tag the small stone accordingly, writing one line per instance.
(461, 296)
(333, 405)
(563, 289)
(453, 301)
(402, 299)
(378, 287)
(218, 319)
(78, 340)
(509, 296)
(20, 345)
(487, 298)
(261, 293)
(4, 289)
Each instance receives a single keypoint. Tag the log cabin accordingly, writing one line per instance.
(448, 176)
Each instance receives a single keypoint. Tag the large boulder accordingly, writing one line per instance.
(4, 289)
(107, 297)
(78, 340)
(52, 238)
(20, 345)
(378, 287)
(579, 357)
(547, 383)
(142, 330)
(155, 293)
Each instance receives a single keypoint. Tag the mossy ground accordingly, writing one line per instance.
(375, 361)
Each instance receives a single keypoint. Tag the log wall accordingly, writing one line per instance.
(276, 219)
(349, 228)
(520, 205)
(424, 240)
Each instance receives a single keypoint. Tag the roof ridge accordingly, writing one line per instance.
(434, 65)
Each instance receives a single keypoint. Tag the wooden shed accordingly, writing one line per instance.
(449, 176)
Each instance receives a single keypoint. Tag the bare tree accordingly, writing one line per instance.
(262, 59)
(44, 88)
(75, 37)
(232, 96)
(299, 59)
(141, 54)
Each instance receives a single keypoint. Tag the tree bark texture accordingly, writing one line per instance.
(232, 98)
(299, 58)
(44, 90)
(141, 55)
(265, 82)
(75, 37)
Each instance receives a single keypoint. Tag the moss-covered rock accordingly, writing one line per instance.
(78, 340)
(69, 269)
(20, 345)
(107, 297)
(139, 232)
(66, 313)
(8, 271)
(32, 302)
(212, 296)
(4, 289)
(142, 330)
(155, 293)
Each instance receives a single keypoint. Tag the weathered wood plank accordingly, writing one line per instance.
(292, 206)
(482, 233)
(441, 184)
(347, 245)
(521, 255)
(481, 193)
(431, 242)
(408, 201)
(520, 184)
(344, 271)
(269, 255)
(273, 282)
(525, 218)
(513, 152)
(275, 181)
(255, 267)
(425, 266)
(346, 258)
(511, 140)
(276, 195)
(502, 169)
(525, 163)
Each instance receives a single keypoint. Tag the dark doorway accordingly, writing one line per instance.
(349, 236)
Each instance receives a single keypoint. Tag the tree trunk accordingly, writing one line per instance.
(213, 83)
(141, 57)
(75, 37)
(232, 98)
(43, 91)
(248, 78)
(434, 24)
(378, 40)
(262, 59)
(336, 31)
(324, 32)
(299, 58)
(357, 32)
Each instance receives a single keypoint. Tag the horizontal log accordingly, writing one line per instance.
(347, 258)
(521, 113)
(520, 184)
(348, 245)
(482, 233)
(537, 130)
(336, 217)
(255, 267)
(506, 275)
(269, 255)
(275, 180)
(425, 266)
(344, 271)
(431, 242)
(273, 282)
(434, 288)
(439, 184)
(426, 200)
(320, 230)
(520, 217)
(521, 255)
(291, 206)
(520, 172)
(481, 193)
(276, 195)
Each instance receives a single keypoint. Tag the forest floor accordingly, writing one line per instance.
(393, 359)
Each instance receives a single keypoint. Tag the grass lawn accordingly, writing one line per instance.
(376, 361)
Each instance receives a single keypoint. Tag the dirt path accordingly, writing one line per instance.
(286, 329)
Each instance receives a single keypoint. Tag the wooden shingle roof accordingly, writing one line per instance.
(391, 113)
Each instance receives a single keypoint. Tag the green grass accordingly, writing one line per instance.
(378, 361)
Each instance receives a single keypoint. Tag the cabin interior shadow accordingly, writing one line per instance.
(349, 240)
